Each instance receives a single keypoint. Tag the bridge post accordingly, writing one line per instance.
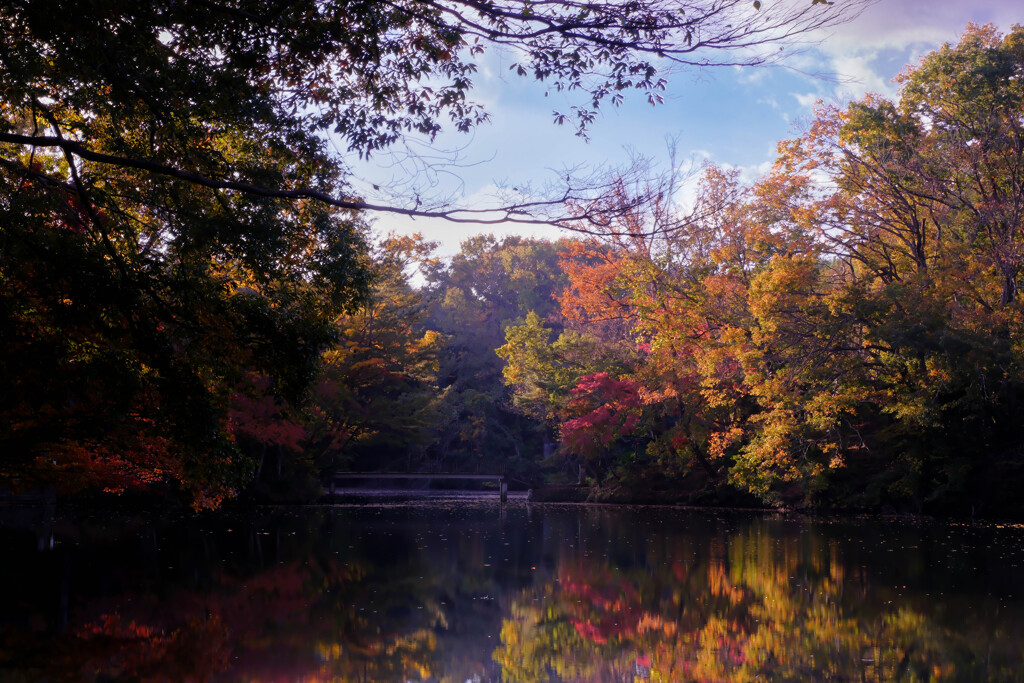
(503, 487)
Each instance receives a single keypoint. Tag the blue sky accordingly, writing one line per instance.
(730, 116)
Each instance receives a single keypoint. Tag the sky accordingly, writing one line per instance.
(727, 115)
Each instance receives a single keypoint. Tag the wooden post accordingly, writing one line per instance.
(503, 486)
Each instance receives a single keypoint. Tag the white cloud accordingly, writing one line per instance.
(908, 24)
(450, 235)
(751, 75)
(806, 100)
(750, 174)
(864, 54)
(860, 77)
(772, 102)
(714, 110)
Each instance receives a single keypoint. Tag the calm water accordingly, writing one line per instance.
(465, 590)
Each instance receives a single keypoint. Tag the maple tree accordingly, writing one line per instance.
(841, 331)
(179, 232)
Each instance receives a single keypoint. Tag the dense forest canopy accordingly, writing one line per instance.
(190, 300)
(180, 241)
(844, 331)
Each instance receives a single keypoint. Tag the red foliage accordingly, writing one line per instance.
(255, 413)
(113, 649)
(602, 606)
(229, 632)
(607, 409)
(133, 454)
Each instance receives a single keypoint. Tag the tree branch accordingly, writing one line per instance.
(515, 212)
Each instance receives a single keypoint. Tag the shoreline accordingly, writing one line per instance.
(27, 510)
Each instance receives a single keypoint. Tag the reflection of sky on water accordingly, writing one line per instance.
(458, 587)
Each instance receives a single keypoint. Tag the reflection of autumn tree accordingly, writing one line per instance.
(188, 635)
(115, 650)
(389, 637)
(272, 603)
(743, 608)
(566, 594)
(271, 597)
(593, 623)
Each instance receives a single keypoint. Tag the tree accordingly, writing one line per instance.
(662, 290)
(542, 373)
(174, 220)
(372, 72)
(902, 342)
(876, 343)
(843, 331)
(488, 286)
(964, 103)
(376, 404)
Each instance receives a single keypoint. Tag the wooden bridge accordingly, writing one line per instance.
(499, 478)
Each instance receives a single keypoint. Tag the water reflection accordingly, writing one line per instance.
(465, 591)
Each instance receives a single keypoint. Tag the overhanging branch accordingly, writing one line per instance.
(592, 210)
(514, 213)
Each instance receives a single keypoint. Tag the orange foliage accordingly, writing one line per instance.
(591, 298)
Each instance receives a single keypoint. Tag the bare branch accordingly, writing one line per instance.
(526, 212)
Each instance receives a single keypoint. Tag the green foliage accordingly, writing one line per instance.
(843, 332)
(541, 373)
(489, 285)
(137, 297)
(376, 402)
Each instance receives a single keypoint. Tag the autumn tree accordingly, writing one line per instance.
(660, 291)
(176, 221)
(843, 330)
(376, 404)
(489, 285)
(900, 332)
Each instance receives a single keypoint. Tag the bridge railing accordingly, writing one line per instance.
(500, 478)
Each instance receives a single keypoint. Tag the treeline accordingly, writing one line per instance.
(846, 331)
(843, 332)
(413, 382)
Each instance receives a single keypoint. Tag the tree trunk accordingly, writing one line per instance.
(1009, 294)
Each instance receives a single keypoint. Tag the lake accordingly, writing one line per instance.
(463, 589)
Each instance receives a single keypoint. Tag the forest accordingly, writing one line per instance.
(845, 332)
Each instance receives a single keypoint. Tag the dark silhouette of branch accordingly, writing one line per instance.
(522, 212)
